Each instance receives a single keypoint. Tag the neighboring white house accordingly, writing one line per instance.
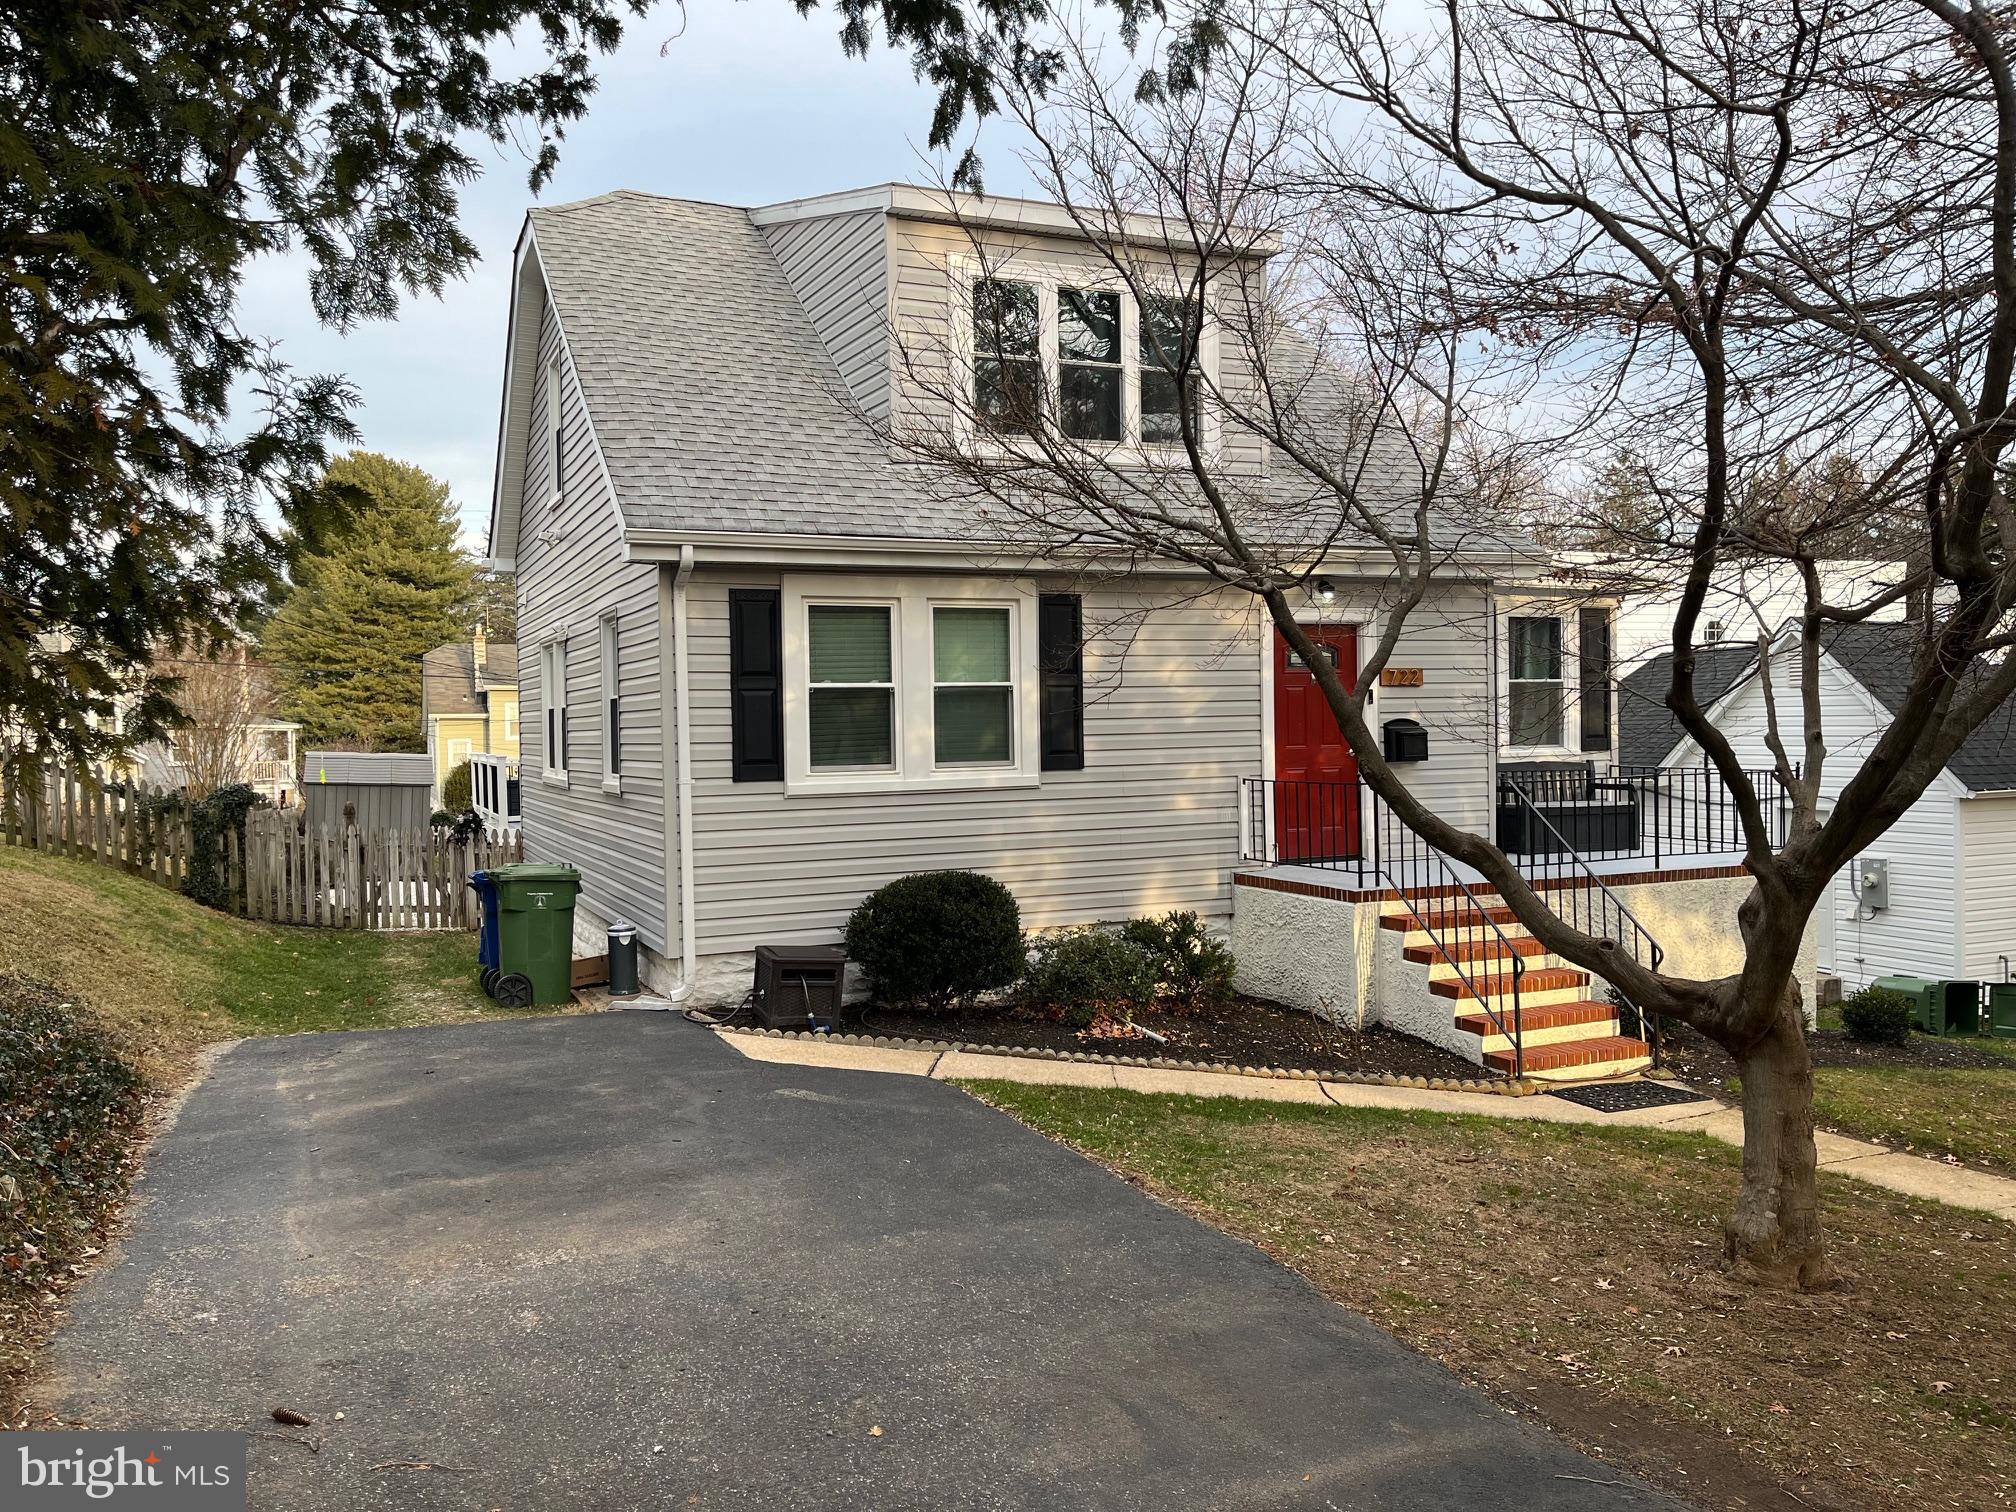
(1745, 599)
(1944, 900)
(768, 667)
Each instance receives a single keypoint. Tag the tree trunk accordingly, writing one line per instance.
(1774, 1234)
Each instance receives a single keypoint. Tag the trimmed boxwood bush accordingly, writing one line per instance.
(1878, 1016)
(1194, 969)
(1076, 974)
(936, 939)
(69, 1111)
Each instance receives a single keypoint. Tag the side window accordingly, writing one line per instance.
(553, 693)
(612, 699)
(972, 686)
(1168, 370)
(851, 702)
(556, 428)
(1535, 692)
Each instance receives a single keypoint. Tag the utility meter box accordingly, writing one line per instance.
(1872, 883)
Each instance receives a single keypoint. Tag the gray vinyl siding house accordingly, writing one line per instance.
(716, 374)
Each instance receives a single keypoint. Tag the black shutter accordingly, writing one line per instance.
(1060, 636)
(756, 683)
(1594, 676)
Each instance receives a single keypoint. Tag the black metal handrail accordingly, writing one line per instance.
(1417, 872)
(1292, 822)
(1560, 872)
(1343, 827)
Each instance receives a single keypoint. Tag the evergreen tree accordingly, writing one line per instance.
(148, 153)
(372, 591)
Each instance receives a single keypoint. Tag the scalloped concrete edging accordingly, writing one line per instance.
(1910, 1175)
(1480, 1086)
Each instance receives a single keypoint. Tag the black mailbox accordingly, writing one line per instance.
(1405, 740)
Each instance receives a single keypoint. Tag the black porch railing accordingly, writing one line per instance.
(1343, 827)
(1578, 897)
(1655, 813)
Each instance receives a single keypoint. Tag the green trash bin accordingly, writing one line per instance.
(1924, 995)
(2002, 1009)
(535, 933)
(1960, 1007)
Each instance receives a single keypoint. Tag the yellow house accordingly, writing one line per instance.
(469, 702)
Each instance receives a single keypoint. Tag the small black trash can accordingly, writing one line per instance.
(623, 959)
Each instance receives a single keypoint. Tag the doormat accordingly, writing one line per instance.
(1627, 1097)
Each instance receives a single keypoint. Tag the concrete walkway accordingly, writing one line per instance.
(1913, 1175)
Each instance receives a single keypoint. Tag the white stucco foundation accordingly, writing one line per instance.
(1308, 952)
(1322, 949)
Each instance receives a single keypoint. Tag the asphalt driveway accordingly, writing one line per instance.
(605, 1262)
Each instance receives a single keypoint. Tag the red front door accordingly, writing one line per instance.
(1316, 776)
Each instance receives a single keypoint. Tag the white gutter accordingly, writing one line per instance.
(676, 724)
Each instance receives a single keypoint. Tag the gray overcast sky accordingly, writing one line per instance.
(747, 104)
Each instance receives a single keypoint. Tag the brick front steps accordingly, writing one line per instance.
(1574, 1060)
(1565, 1032)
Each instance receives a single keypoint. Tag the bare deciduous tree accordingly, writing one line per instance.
(223, 700)
(1520, 242)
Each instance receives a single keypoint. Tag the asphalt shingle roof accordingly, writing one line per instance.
(1647, 730)
(718, 408)
(1878, 655)
(446, 684)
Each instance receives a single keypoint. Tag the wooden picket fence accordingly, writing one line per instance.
(284, 871)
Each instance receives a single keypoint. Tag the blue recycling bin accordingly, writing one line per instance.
(485, 886)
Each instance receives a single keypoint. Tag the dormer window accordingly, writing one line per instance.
(1089, 372)
(1008, 361)
(1092, 363)
(1168, 370)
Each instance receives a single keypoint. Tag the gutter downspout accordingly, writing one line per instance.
(676, 723)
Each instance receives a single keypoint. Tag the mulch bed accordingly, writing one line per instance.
(1244, 1032)
(1700, 1062)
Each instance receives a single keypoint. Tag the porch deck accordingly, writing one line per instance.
(1423, 877)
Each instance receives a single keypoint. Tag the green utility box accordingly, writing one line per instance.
(2002, 1010)
(535, 933)
(1923, 994)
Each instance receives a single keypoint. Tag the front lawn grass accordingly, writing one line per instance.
(165, 976)
(1969, 1114)
(1572, 1271)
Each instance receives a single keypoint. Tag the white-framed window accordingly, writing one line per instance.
(553, 705)
(511, 723)
(1169, 367)
(556, 427)
(909, 683)
(459, 751)
(850, 682)
(1051, 345)
(1007, 355)
(972, 685)
(612, 702)
(1536, 691)
(1091, 365)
